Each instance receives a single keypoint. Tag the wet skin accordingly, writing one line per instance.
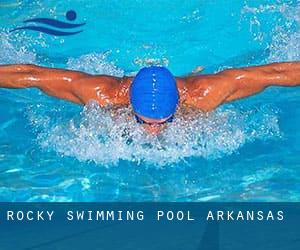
(203, 92)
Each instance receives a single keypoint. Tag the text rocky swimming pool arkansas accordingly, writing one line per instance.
(140, 215)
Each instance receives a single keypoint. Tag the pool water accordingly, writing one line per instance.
(248, 150)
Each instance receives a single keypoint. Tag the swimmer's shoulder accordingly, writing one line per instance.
(191, 85)
(104, 89)
(205, 92)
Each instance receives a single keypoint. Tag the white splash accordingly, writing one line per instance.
(12, 51)
(106, 136)
(95, 63)
(285, 42)
(285, 45)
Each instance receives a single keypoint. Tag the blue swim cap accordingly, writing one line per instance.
(154, 93)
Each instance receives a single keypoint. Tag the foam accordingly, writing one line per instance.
(107, 136)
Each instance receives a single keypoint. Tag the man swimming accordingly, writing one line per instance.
(153, 93)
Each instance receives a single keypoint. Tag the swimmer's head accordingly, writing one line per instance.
(154, 95)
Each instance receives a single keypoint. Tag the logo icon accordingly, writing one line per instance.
(57, 28)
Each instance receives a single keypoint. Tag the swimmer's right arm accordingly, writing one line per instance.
(54, 82)
(74, 86)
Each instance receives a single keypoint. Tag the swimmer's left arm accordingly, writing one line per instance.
(207, 92)
(252, 80)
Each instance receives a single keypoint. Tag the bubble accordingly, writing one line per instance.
(108, 136)
(193, 17)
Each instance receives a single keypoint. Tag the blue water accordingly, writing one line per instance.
(52, 150)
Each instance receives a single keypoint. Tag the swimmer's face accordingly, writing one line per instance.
(153, 126)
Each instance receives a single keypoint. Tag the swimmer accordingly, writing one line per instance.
(154, 93)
